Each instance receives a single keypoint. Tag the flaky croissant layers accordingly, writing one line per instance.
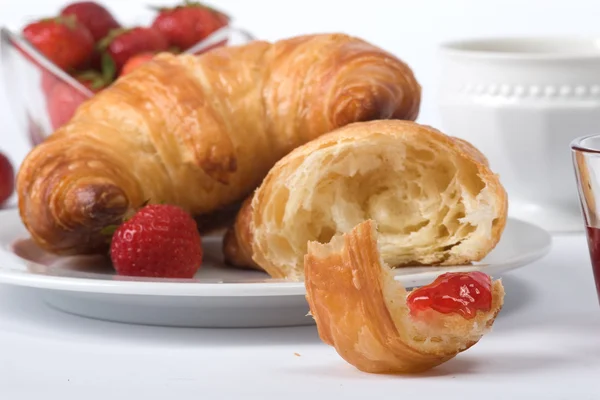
(201, 132)
(433, 197)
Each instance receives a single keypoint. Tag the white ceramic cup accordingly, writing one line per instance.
(521, 101)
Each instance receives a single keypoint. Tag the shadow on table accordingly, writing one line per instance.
(25, 313)
(471, 364)
(504, 364)
(552, 308)
(518, 295)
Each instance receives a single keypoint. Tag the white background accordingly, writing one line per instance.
(412, 29)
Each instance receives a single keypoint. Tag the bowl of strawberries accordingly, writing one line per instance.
(56, 63)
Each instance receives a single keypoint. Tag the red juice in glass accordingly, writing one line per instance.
(593, 236)
(586, 161)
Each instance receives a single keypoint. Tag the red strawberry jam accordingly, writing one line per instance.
(461, 293)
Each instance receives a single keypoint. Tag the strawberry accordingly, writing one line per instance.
(135, 62)
(63, 100)
(122, 44)
(160, 241)
(7, 179)
(97, 19)
(188, 24)
(63, 40)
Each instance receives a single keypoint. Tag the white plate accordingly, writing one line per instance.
(218, 296)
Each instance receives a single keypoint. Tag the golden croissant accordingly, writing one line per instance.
(363, 312)
(201, 132)
(434, 198)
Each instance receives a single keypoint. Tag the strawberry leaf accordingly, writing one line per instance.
(132, 211)
(68, 20)
(97, 83)
(109, 68)
(109, 230)
(188, 3)
(93, 79)
(158, 8)
(87, 75)
(129, 214)
(105, 42)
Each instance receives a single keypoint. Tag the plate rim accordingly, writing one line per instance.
(9, 274)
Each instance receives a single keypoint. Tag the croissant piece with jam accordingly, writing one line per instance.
(379, 327)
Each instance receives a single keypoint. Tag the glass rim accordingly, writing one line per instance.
(577, 145)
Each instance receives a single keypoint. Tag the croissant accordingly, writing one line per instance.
(434, 198)
(362, 311)
(201, 132)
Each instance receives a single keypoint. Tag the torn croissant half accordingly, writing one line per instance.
(434, 198)
(362, 311)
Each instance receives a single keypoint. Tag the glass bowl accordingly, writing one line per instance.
(28, 76)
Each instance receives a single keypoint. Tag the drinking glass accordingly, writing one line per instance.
(586, 160)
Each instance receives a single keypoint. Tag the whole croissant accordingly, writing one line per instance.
(201, 132)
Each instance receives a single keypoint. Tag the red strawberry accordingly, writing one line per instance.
(122, 44)
(7, 179)
(63, 40)
(188, 24)
(160, 241)
(135, 62)
(93, 16)
(63, 100)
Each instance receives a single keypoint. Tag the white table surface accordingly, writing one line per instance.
(545, 344)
